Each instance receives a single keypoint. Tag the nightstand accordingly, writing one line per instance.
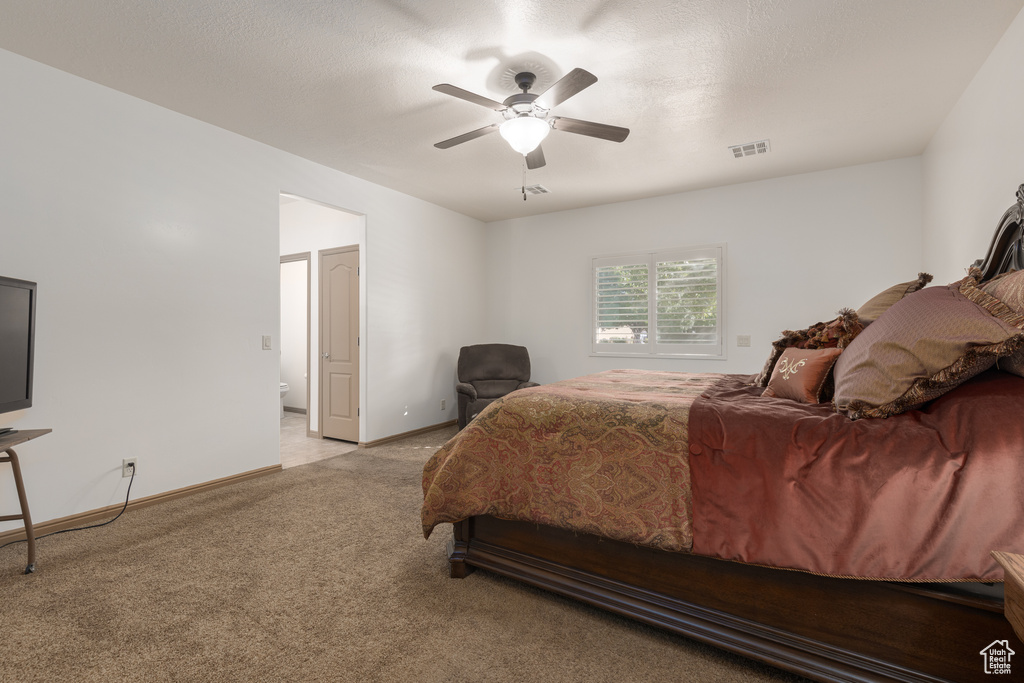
(1013, 605)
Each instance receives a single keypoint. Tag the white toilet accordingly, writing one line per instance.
(284, 390)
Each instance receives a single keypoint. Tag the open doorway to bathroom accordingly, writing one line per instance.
(310, 228)
(295, 286)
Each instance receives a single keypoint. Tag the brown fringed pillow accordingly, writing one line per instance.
(834, 334)
(883, 301)
(924, 346)
(1009, 288)
(800, 374)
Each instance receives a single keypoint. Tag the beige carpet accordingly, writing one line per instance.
(318, 573)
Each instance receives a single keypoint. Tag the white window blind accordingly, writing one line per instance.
(660, 303)
(622, 303)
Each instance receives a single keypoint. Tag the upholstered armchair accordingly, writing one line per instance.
(487, 372)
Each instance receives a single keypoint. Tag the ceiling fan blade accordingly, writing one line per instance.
(594, 130)
(567, 86)
(466, 137)
(469, 96)
(535, 159)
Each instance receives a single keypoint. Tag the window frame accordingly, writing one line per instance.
(652, 349)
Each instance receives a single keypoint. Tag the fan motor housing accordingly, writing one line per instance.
(525, 80)
(521, 102)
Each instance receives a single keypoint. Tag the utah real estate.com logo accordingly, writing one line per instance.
(997, 657)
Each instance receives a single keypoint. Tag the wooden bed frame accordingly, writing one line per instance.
(824, 628)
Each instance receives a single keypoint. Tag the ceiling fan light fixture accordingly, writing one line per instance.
(524, 133)
(526, 115)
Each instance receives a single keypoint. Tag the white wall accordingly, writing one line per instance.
(293, 344)
(155, 242)
(310, 227)
(799, 249)
(975, 162)
(427, 285)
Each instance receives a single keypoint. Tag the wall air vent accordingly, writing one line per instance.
(750, 149)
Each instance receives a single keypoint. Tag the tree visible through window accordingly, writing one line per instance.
(622, 304)
(660, 303)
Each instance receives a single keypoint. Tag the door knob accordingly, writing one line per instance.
(327, 355)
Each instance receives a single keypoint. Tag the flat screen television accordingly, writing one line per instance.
(17, 339)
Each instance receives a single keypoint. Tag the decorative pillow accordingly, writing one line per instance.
(834, 334)
(1009, 288)
(800, 374)
(883, 301)
(924, 346)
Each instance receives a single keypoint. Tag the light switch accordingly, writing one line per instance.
(266, 342)
(742, 340)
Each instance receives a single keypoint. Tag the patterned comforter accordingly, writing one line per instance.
(605, 454)
(706, 464)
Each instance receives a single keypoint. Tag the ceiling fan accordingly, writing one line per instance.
(527, 116)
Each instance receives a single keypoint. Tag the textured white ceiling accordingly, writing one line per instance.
(347, 83)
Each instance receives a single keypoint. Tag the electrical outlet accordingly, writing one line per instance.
(443, 404)
(128, 467)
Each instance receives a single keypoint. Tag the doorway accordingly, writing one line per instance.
(310, 226)
(294, 337)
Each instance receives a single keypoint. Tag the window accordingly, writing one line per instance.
(660, 303)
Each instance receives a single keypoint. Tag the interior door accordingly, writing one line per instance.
(339, 343)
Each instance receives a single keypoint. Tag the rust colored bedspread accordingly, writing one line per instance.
(921, 496)
(604, 454)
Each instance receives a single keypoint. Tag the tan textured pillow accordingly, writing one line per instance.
(924, 346)
(883, 301)
(1009, 289)
(800, 374)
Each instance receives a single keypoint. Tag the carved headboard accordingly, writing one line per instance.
(1007, 249)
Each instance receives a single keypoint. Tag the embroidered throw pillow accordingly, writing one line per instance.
(1009, 288)
(801, 374)
(883, 301)
(834, 334)
(924, 346)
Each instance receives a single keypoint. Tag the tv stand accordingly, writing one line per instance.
(7, 443)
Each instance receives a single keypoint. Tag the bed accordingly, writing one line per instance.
(670, 513)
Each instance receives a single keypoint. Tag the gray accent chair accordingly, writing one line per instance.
(487, 372)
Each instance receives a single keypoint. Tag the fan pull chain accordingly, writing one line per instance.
(524, 178)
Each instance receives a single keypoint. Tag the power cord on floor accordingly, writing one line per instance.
(83, 528)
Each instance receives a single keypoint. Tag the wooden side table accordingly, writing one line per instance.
(7, 443)
(1013, 585)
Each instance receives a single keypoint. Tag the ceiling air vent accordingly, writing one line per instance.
(750, 149)
(536, 189)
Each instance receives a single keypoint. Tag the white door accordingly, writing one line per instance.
(339, 343)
